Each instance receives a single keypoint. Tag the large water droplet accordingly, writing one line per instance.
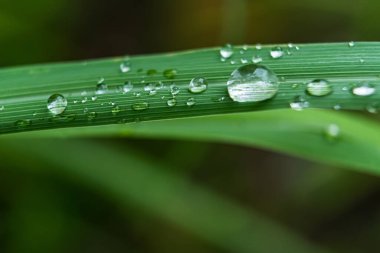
(198, 85)
(276, 52)
(226, 51)
(57, 104)
(171, 102)
(299, 103)
(252, 83)
(363, 90)
(319, 87)
(170, 73)
(140, 106)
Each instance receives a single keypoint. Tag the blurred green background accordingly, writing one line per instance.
(133, 195)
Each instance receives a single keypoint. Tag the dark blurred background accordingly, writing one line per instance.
(41, 211)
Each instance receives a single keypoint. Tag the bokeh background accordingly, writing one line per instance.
(45, 210)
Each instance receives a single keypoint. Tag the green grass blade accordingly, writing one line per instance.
(25, 90)
(132, 180)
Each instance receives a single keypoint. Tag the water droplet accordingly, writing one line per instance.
(125, 66)
(361, 60)
(115, 109)
(290, 45)
(337, 107)
(127, 87)
(140, 106)
(151, 72)
(170, 73)
(83, 93)
(101, 87)
(319, 87)
(94, 98)
(373, 107)
(233, 62)
(258, 46)
(363, 90)
(56, 104)
(198, 85)
(257, 59)
(2, 108)
(84, 100)
(151, 88)
(91, 115)
(276, 52)
(252, 83)
(299, 103)
(174, 90)
(244, 60)
(332, 132)
(226, 51)
(190, 102)
(172, 102)
(23, 123)
(351, 44)
(137, 94)
(295, 85)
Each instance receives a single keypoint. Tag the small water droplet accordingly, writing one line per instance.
(84, 100)
(295, 85)
(363, 90)
(56, 104)
(101, 87)
(361, 60)
(198, 85)
(226, 51)
(258, 46)
(252, 83)
(276, 52)
(83, 93)
(94, 98)
(174, 90)
(2, 108)
(373, 107)
(91, 116)
(290, 45)
(257, 59)
(137, 94)
(190, 102)
(151, 72)
(244, 60)
(337, 107)
(151, 88)
(332, 132)
(299, 103)
(140, 106)
(319, 88)
(171, 102)
(170, 73)
(351, 44)
(115, 110)
(125, 66)
(23, 123)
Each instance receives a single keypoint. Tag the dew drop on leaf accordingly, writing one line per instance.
(226, 51)
(56, 104)
(319, 88)
(252, 83)
(276, 52)
(198, 85)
